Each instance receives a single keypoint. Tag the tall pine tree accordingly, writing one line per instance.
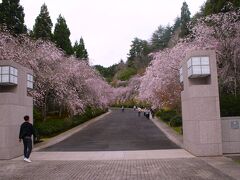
(216, 6)
(185, 18)
(43, 24)
(12, 16)
(161, 37)
(61, 35)
(138, 54)
(79, 50)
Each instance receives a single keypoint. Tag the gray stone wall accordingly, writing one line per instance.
(231, 134)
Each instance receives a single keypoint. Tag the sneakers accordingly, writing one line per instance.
(27, 160)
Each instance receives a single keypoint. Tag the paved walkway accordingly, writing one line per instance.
(110, 155)
(161, 169)
(118, 165)
(118, 131)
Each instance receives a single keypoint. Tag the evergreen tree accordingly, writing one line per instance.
(61, 35)
(138, 48)
(107, 72)
(138, 54)
(12, 16)
(161, 37)
(177, 24)
(216, 6)
(43, 24)
(185, 18)
(80, 50)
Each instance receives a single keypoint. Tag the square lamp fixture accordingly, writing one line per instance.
(8, 75)
(198, 67)
(29, 81)
(181, 74)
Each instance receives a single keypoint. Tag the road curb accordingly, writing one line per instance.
(170, 133)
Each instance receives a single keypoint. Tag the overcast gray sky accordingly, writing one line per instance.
(109, 26)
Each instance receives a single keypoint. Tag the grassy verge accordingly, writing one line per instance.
(171, 118)
(178, 129)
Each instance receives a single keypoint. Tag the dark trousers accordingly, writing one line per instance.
(27, 142)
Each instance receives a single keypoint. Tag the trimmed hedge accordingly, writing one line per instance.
(53, 126)
(166, 115)
(172, 118)
(176, 121)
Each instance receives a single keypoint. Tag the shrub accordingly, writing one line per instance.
(176, 121)
(166, 115)
(54, 126)
(37, 114)
(126, 73)
(230, 105)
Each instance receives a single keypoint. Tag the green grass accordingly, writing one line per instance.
(178, 129)
(171, 118)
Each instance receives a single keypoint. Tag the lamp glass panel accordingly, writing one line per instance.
(30, 77)
(204, 60)
(189, 63)
(15, 72)
(196, 70)
(190, 71)
(15, 80)
(181, 78)
(11, 78)
(205, 70)
(5, 78)
(30, 84)
(5, 69)
(196, 61)
(12, 70)
(0, 70)
(181, 75)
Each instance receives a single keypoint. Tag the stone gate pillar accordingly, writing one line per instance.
(15, 81)
(200, 104)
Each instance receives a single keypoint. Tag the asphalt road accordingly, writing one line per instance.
(117, 131)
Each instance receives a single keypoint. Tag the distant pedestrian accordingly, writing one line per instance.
(122, 108)
(139, 111)
(25, 134)
(147, 113)
(144, 111)
(152, 112)
(134, 108)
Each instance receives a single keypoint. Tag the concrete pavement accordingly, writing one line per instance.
(119, 131)
(109, 155)
(151, 169)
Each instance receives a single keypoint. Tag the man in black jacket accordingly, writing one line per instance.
(25, 134)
